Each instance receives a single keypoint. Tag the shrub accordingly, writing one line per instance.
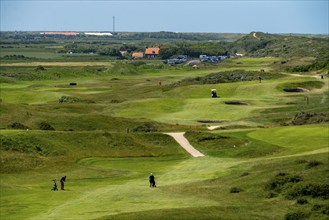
(301, 161)
(271, 195)
(302, 201)
(313, 163)
(280, 180)
(308, 189)
(146, 127)
(46, 126)
(68, 99)
(40, 68)
(235, 190)
(227, 77)
(302, 118)
(316, 207)
(324, 209)
(17, 125)
(300, 215)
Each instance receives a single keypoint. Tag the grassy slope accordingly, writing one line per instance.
(108, 186)
(102, 184)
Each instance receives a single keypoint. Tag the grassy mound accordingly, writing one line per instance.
(229, 77)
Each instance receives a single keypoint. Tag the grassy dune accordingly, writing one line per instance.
(107, 168)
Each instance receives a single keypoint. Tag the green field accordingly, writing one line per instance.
(267, 159)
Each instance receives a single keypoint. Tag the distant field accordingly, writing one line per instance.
(58, 64)
(45, 53)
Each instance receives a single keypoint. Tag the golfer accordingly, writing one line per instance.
(63, 179)
(152, 180)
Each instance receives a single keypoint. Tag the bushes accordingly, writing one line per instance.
(296, 215)
(317, 65)
(308, 189)
(68, 99)
(17, 125)
(146, 127)
(71, 99)
(235, 190)
(280, 180)
(302, 118)
(228, 77)
(20, 145)
(313, 163)
(302, 201)
(40, 68)
(324, 209)
(46, 126)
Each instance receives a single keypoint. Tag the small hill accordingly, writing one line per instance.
(263, 44)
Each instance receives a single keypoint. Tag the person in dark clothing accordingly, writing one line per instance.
(152, 181)
(63, 179)
(55, 186)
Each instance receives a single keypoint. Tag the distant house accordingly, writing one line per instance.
(152, 52)
(137, 55)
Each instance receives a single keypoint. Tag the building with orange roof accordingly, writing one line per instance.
(152, 52)
(137, 55)
(61, 33)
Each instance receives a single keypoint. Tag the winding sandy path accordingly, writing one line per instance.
(179, 137)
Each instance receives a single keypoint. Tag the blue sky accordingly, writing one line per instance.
(279, 16)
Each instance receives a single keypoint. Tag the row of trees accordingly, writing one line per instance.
(190, 49)
(193, 49)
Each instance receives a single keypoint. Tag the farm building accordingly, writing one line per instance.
(152, 52)
(137, 55)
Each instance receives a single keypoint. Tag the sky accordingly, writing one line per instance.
(218, 16)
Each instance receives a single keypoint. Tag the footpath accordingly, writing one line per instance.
(179, 137)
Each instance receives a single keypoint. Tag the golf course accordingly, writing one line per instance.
(107, 124)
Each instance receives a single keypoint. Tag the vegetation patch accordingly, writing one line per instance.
(300, 215)
(301, 86)
(211, 121)
(317, 65)
(68, 99)
(235, 190)
(303, 118)
(297, 89)
(17, 125)
(72, 99)
(46, 126)
(313, 163)
(229, 77)
(40, 68)
(315, 190)
(20, 144)
(236, 103)
(146, 127)
(280, 180)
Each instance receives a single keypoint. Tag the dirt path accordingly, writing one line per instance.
(179, 137)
